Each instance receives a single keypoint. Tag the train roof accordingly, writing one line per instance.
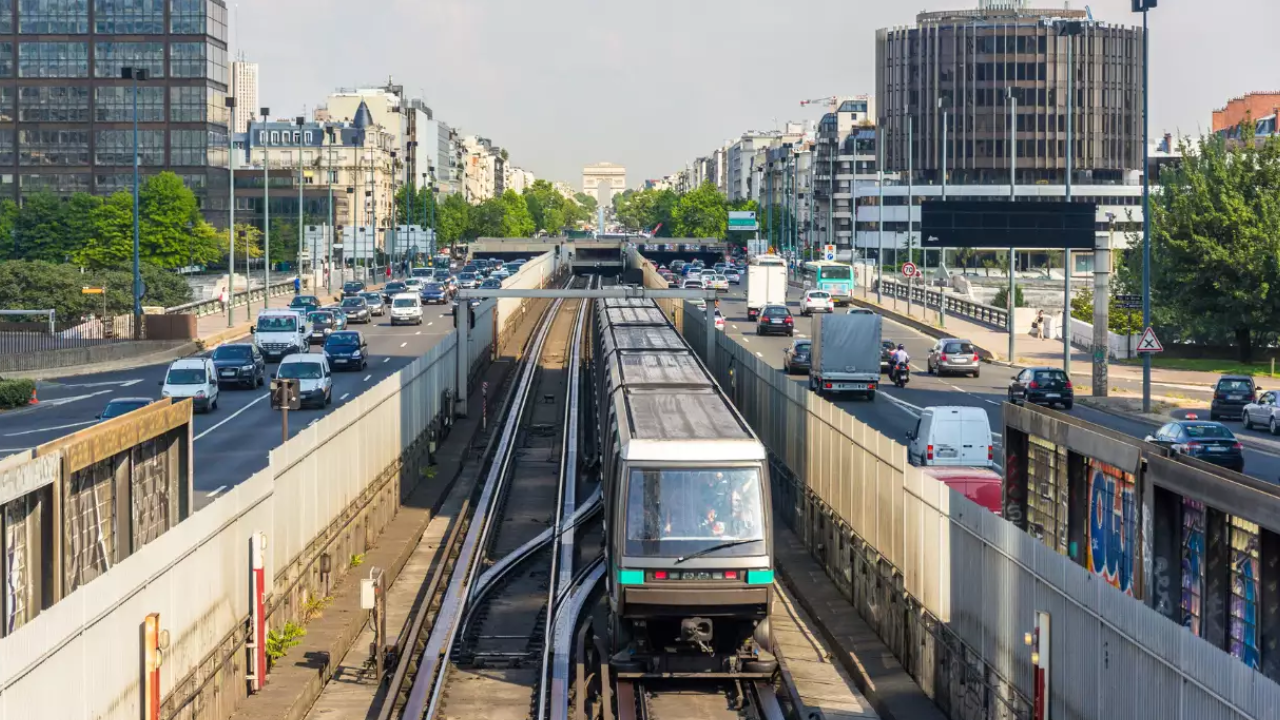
(694, 414)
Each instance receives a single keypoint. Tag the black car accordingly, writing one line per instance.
(775, 319)
(392, 289)
(323, 323)
(1230, 396)
(796, 358)
(123, 406)
(1203, 440)
(352, 288)
(357, 309)
(491, 284)
(240, 364)
(305, 303)
(434, 293)
(347, 350)
(1042, 386)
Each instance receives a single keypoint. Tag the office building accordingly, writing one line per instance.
(245, 75)
(845, 155)
(738, 164)
(66, 114)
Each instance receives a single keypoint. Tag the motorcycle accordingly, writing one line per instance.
(901, 374)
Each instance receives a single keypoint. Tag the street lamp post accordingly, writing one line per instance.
(231, 209)
(880, 218)
(330, 217)
(1069, 30)
(1013, 195)
(426, 226)
(300, 120)
(1144, 6)
(266, 219)
(391, 225)
(136, 75)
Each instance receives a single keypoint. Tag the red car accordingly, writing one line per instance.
(981, 485)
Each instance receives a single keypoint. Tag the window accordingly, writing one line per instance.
(53, 147)
(54, 104)
(6, 17)
(53, 59)
(187, 104)
(112, 183)
(672, 512)
(7, 96)
(115, 147)
(187, 59)
(7, 154)
(128, 17)
(59, 184)
(115, 104)
(187, 17)
(188, 147)
(6, 59)
(110, 57)
(53, 17)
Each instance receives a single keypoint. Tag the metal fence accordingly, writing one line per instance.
(994, 316)
(952, 588)
(30, 337)
(200, 308)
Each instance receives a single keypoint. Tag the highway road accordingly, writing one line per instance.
(232, 442)
(895, 411)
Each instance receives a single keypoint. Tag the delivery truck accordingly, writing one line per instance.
(766, 285)
(846, 354)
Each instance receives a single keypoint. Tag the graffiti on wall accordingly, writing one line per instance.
(1245, 571)
(1192, 564)
(1112, 519)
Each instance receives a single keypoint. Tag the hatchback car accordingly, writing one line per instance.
(1204, 440)
(775, 319)
(352, 288)
(377, 306)
(347, 350)
(1231, 395)
(357, 309)
(816, 301)
(733, 276)
(795, 359)
(304, 303)
(953, 355)
(323, 323)
(1265, 413)
(240, 363)
(468, 279)
(392, 289)
(194, 378)
(1042, 386)
(692, 284)
(491, 284)
(123, 406)
(434, 293)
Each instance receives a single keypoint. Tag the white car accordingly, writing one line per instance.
(693, 283)
(733, 276)
(816, 301)
(312, 373)
(406, 308)
(194, 378)
(719, 320)
(717, 282)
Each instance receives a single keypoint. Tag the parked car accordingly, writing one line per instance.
(434, 293)
(795, 359)
(1204, 440)
(351, 288)
(816, 301)
(1042, 386)
(357, 309)
(377, 306)
(951, 435)
(1232, 395)
(240, 363)
(347, 350)
(311, 371)
(123, 406)
(775, 319)
(1265, 412)
(194, 378)
(953, 355)
(304, 303)
(392, 289)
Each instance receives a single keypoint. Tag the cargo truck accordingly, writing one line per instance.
(846, 354)
(766, 285)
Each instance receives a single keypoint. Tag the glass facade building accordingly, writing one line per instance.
(66, 115)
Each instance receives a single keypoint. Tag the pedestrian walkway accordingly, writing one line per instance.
(213, 329)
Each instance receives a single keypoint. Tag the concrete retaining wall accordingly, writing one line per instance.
(90, 355)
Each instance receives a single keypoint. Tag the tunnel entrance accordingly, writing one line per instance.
(664, 258)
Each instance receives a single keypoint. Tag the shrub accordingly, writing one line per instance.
(15, 393)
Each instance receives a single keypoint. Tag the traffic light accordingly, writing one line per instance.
(284, 394)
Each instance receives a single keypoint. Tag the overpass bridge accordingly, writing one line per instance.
(951, 590)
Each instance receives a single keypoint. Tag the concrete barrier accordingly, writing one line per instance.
(15, 365)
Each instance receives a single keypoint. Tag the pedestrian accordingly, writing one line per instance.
(1038, 325)
(297, 285)
(223, 298)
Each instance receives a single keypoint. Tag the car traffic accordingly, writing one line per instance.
(347, 350)
(1204, 440)
(356, 308)
(240, 364)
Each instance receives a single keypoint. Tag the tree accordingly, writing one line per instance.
(39, 230)
(586, 201)
(422, 200)
(170, 221)
(1119, 320)
(1002, 297)
(454, 219)
(1215, 240)
(516, 221)
(110, 245)
(38, 284)
(553, 221)
(248, 241)
(485, 219)
(701, 213)
(647, 209)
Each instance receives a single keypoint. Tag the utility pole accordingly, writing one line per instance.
(136, 75)
(911, 157)
(300, 120)
(266, 216)
(1070, 30)
(231, 205)
(1101, 310)
(942, 299)
(330, 216)
(1144, 6)
(880, 217)
(1013, 195)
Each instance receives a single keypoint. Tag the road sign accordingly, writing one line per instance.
(1129, 302)
(829, 252)
(91, 290)
(1149, 343)
(909, 269)
(743, 220)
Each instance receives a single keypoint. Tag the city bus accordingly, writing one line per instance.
(836, 278)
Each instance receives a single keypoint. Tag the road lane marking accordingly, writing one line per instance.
(48, 429)
(745, 339)
(233, 415)
(735, 327)
(910, 409)
(215, 492)
(344, 397)
(386, 360)
(433, 322)
(121, 383)
(404, 343)
(418, 333)
(76, 398)
(366, 378)
(313, 422)
(759, 354)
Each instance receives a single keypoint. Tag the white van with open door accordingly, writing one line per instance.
(955, 435)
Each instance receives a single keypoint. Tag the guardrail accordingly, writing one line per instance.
(200, 308)
(991, 315)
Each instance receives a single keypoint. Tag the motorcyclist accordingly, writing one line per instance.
(896, 358)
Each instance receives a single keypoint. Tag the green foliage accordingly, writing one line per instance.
(15, 393)
(1215, 240)
(248, 241)
(1002, 297)
(701, 213)
(586, 201)
(110, 245)
(454, 219)
(37, 285)
(516, 220)
(279, 642)
(314, 607)
(420, 204)
(551, 211)
(485, 219)
(646, 209)
(173, 232)
(356, 560)
(1119, 320)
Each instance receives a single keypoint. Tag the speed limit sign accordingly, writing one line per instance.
(909, 269)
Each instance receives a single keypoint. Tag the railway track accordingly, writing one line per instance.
(705, 700)
(486, 647)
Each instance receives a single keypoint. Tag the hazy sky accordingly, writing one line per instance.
(651, 85)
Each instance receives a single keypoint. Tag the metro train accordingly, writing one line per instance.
(687, 515)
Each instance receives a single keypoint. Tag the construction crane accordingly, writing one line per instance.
(832, 101)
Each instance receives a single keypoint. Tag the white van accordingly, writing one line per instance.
(280, 332)
(194, 378)
(955, 435)
(406, 308)
(312, 373)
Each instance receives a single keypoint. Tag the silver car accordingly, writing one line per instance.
(953, 355)
(377, 306)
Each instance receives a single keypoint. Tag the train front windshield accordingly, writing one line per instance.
(677, 512)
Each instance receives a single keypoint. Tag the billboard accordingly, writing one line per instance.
(1018, 224)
